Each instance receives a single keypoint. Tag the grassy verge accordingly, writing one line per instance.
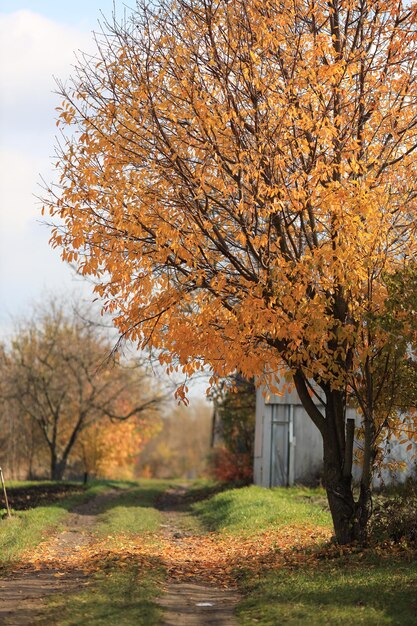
(344, 593)
(26, 529)
(32, 483)
(251, 509)
(371, 588)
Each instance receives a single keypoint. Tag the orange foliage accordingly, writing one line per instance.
(111, 449)
(240, 179)
(243, 189)
(216, 559)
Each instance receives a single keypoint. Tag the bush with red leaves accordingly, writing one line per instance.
(228, 466)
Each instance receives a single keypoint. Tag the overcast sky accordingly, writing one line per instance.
(37, 42)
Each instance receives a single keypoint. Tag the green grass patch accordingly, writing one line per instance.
(355, 589)
(251, 509)
(36, 483)
(373, 594)
(128, 520)
(26, 529)
(133, 511)
(122, 597)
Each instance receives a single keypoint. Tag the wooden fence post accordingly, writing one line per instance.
(5, 493)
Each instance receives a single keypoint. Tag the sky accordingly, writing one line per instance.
(38, 40)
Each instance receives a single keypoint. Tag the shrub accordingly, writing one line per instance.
(395, 516)
(228, 466)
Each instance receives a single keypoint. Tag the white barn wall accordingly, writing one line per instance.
(306, 447)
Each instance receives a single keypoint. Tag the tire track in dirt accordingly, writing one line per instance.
(193, 603)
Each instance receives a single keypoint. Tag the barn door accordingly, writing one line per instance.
(280, 445)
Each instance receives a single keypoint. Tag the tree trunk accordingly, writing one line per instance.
(350, 519)
(364, 511)
(338, 451)
(364, 506)
(340, 497)
(57, 467)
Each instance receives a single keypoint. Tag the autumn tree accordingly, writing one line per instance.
(181, 447)
(22, 449)
(240, 179)
(21, 445)
(111, 448)
(58, 374)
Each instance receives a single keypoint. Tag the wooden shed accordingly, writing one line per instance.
(289, 449)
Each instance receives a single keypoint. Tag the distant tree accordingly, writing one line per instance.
(111, 448)
(233, 430)
(21, 442)
(181, 447)
(240, 179)
(235, 404)
(58, 373)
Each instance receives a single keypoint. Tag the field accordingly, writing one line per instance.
(128, 553)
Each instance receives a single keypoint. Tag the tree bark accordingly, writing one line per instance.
(364, 506)
(57, 467)
(339, 494)
(350, 518)
(337, 458)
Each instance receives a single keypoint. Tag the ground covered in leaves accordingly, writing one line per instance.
(268, 552)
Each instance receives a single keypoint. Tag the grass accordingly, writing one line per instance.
(26, 529)
(34, 483)
(133, 512)
(375, 587)
(344, 593)
(363, 588)
(120, 597)
(251, 509)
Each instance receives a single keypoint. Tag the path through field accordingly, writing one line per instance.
(138, 547)
(64, 565)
